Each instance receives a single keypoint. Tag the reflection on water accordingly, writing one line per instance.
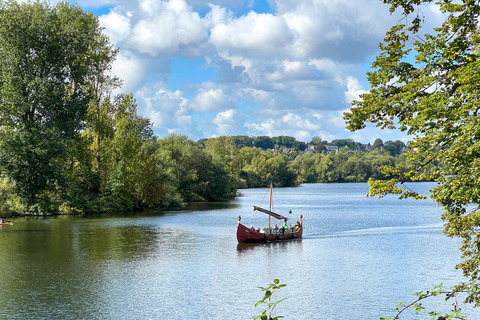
(364, 253)
(208, 206)
(273, 247)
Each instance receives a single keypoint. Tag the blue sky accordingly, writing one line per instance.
(247, 67)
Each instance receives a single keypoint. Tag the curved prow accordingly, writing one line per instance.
(299, 232)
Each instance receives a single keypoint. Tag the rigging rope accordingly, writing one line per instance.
(261, 203)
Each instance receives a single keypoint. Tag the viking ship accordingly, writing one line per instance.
(285, 232)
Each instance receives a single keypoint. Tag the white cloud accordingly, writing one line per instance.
(259, 96)
(293, 66)
(327, 65)
(300, 126)
(291, 120)
(302, 135)
(308, 92)
(354, 90)
(326, 135)
(184, 120)
(337, 119)
(255, 34)
(130, 69)
(210, 100)
(116, 24)
(228, 122)
(265, 128)
(217, 15)
(339, 29)
(272, 128)
(168, 28)
(164, 107)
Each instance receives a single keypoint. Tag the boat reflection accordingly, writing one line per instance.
(274, 245)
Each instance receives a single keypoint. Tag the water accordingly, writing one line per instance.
(358, 258)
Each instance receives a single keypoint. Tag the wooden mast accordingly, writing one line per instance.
(270, 208)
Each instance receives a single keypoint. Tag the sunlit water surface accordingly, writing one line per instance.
(358, 258)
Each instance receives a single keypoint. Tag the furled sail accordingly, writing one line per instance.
(273, 214)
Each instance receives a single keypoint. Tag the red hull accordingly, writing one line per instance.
(245, 234)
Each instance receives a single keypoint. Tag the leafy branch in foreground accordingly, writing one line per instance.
(418, 306)
(267, 298)
(425, 83)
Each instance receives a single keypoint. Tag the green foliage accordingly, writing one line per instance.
(267, 299)
(395, 148)
(31, 156)
(345, 143)
(426, 85)
(418, 307)
(45, 77)
(317, 141)
(254, 167)
(243, 141)
(263, 142)
(44, 64)
(10, 203)
(195, 173)
(378, 144)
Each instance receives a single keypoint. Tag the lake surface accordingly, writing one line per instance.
(358, 258)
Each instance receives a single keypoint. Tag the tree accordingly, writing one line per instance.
(242, 141)
(46, 58)
(280, 173)
(395, 148)
(263, 142)
(286, 141)
(225, 151)
(135, 178)
(317, 141)
(427, 86)
(378, 144)
(345, 143)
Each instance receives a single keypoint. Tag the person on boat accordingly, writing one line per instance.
(275, 229)
(1, 220)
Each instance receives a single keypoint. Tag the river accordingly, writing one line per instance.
(359, 257)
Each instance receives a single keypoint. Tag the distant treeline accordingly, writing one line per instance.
(256, 162)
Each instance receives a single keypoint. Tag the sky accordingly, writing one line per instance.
(206, 68)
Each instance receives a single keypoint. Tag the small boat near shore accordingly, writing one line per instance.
(6, 223)
(285, 232)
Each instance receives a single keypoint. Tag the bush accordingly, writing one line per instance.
(10, 203)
